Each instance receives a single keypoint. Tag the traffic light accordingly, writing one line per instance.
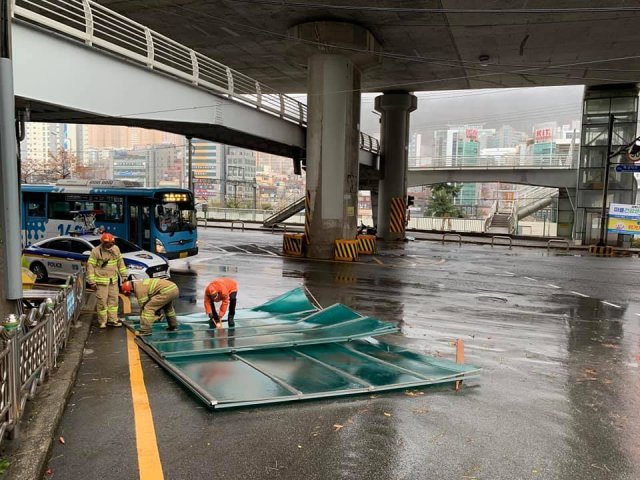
(410, 201)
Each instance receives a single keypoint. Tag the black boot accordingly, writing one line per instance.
(232, 324)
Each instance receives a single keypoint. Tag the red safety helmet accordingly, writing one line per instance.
(107, 238)
(126, 287)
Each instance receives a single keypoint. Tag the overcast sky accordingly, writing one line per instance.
(520, 108)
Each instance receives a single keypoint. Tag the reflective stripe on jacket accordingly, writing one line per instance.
(104, 266)
(150, 287)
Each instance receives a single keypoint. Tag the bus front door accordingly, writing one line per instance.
(140, 226)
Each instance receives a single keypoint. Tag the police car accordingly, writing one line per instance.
(64, 255)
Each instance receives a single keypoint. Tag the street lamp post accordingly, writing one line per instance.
(605, 189)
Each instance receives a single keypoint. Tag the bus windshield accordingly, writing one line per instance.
(173, 217)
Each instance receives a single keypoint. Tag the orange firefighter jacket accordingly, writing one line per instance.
(219, 290)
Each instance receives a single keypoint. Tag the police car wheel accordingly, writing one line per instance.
(39, 270)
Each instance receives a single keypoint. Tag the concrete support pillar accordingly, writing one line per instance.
(395, 108)
(332, 152)
(10, 235)
(374, 207)
(566, 212)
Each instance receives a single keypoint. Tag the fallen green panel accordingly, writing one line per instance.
(226, 380)
(333, 324)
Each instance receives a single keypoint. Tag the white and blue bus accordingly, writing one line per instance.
(160, 220)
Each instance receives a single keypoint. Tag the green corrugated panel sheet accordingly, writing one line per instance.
(288, 349)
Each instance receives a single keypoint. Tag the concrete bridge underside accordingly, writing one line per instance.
(86, 85)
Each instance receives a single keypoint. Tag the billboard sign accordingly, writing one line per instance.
(624, 219)
(543, 135)
(471, 133)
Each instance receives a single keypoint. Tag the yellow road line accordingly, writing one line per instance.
(149, 464)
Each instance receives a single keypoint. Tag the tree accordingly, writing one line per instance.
(62, 164)
(56, 166)
(442, 201)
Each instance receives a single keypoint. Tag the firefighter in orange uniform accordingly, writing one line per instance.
(223, 290)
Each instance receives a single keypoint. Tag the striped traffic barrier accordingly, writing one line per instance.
(293, 244)
(397, 219)
(600, 251)
(366, 244)
(346, 250)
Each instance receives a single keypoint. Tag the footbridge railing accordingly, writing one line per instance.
(101, 28)
(488, 162)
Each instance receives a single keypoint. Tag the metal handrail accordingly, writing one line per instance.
(238, 222)
(558, 241)
(100, 27)
(501, 237)
(453, 235)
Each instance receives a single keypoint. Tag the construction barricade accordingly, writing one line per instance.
(600, 251)
(293, 244)
(366, 244)
(346, 250)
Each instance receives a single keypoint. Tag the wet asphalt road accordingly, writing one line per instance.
(558, 397)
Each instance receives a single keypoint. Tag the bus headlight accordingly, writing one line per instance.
(160, 247)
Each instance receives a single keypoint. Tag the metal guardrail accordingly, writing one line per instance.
(501, 237)
(452, 235)
(102, 28)
(491, 162)
(238, 222)
(283, 226)
(29, 352)
(560, 242)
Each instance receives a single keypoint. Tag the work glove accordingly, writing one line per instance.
(92, 286)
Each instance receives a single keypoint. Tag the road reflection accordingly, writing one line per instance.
(596, 386)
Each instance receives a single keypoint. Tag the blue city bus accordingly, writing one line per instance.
(160, 220)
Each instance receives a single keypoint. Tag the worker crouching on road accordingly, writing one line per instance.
(223, 290)
(154, 295)
(104, 266)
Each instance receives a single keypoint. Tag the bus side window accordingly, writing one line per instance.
(35, 204)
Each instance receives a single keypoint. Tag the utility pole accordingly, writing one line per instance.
(605, 189)
(190, 163)
(10, 237)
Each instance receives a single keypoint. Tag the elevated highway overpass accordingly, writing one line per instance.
(332, 52)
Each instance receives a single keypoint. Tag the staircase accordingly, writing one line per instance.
(499, 224)
(286, 212)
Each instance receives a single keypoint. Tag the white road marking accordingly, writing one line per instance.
(532, 279)
(241, 249)
(509, 273)
(265, 250)
(580, 294)
(611, 304)
(552, 285)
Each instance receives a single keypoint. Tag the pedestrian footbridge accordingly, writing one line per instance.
(79, 62)
(557, 171)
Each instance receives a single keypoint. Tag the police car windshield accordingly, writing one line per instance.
(124, 245)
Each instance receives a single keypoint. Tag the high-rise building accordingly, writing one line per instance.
(223, 173)
(156, 166)
(40, 140)
(415, 150)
